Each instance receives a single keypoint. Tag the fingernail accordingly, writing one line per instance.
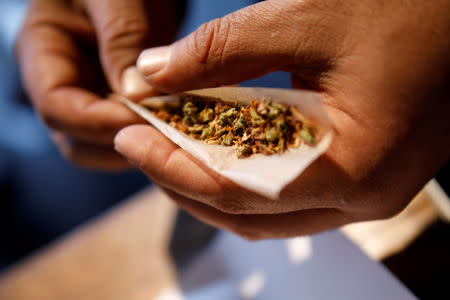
(130, 143)
(153, 60)
(134, 85)
(124, 140)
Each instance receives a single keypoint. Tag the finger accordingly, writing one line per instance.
(84, 115)
(268, 36)
(98, 137)
(89, 124)
(52, 69)
(88, 155)
(123, 30)
(170, 166)
(255, 227)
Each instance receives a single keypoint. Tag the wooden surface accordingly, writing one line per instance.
(383, 238)
(122, 255)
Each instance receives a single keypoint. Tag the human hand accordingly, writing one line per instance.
(73, 54)
(382, 68)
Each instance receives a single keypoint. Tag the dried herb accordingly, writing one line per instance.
(260, 127)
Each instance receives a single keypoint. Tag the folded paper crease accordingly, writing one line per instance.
(265, 175)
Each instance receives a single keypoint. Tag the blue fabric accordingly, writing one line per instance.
(42, 195)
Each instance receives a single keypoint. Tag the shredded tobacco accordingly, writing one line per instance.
(260, 127)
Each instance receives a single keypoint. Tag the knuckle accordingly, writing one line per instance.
(208, 44)
(229, 200)
(73, 158)
(382, 208)
(389, 211)
(124, 31)
(69, 152)
(48, 110)
(232, 199)
(50, 122)
(49, 119)
(231, 207)
(246, 233)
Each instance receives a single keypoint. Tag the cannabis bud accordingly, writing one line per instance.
(260, 127)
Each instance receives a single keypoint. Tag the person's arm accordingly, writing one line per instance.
(383, 70)
(72, 54)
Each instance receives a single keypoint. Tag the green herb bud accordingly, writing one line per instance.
(227, 116)
(207, 132)
(207, 115)
(273, 112)
(190, 113)
(227, 140)
(256, 119)
(280, 107)
(272, 135)
(243, 150)
(196, 128)
(307, 136)
(240, 123)
(282, 126)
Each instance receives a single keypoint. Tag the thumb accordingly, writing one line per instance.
(123, 31)
(265, 37)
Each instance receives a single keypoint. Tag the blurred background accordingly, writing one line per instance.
(42, 196)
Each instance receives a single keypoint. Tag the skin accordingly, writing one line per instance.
(73, 55)
(382, 68)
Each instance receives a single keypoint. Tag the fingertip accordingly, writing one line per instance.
(129, 140)
(153, 60)
(87, 155)
(163, 162)
(134, 86)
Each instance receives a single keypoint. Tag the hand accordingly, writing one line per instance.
(74, 53)
(382, 68)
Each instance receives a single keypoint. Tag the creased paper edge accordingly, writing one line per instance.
(320, 149)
